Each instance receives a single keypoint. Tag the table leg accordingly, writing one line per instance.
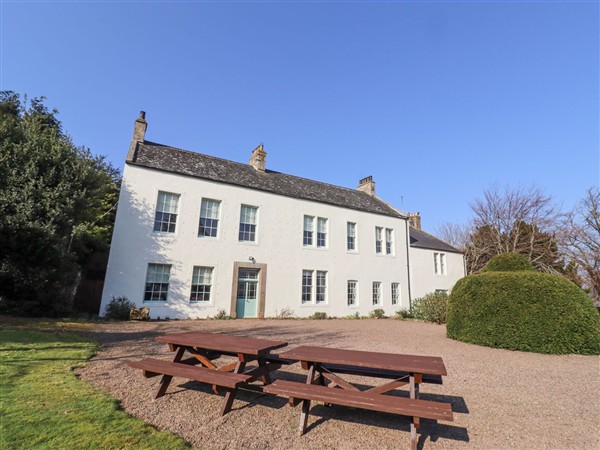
(230, 395)
(166, 379)
(306, 403)
(266, 378)
(415, 382)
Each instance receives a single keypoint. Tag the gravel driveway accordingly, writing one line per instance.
(501, 399)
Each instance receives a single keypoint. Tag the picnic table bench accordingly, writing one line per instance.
(204, 348)
(325, 364)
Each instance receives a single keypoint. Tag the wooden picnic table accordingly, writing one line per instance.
(325, 365)
(204, 348)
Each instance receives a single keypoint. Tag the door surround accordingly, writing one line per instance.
(262, 287)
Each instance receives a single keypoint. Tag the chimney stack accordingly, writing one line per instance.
(414, 220)
(139, 134)
(258, 160)
(367, 185)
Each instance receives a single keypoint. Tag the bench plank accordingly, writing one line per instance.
(375, 402)
(195, 373)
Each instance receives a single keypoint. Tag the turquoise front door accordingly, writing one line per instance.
(247, 294)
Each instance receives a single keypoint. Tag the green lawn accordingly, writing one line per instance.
(43, 404)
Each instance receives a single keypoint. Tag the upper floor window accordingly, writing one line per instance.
(352, 293)
(248, 222)
(165, 218)
(157, 282)
(378, 240)
(209, 218)
(376, 293)
(308, 234)
(321, 232)
(389, 241)
(351, 236)
(395, 293)
(201, 284)
(310, 291)
(309, 226)
(439, 263)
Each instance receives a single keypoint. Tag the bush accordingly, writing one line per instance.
(431, 308)
(377, 314)
(526, 310)
(118, 308)
(508, 262)
(222, 315)
(318, 316)
(403, 314)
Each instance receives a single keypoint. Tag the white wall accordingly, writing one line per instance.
(280, 225)
(422, 271)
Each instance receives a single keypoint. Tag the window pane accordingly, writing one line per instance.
(388, 241)
(321, 232)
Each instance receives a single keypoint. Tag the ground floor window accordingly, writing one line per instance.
(376, 293)
(352, 293)
(201, 284)
(310, 290)
(395, 293)
(157, 282)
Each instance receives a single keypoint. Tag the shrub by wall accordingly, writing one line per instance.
(507, 262)
(431, 308)
(526, 310)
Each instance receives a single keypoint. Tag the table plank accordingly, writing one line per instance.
(433, 365)
(222, 342)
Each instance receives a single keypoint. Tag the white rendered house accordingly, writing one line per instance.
(195, 234)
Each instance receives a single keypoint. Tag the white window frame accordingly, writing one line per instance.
(218, 219)
(395, 286)
(354, 237)
(389, 241)
(315, 229)
(310, 291)
(248, 241)
(377, 300)
(156, 281)
(157, 211)
(439, 264)
(210, 285)
(379, 243)
(352, 289)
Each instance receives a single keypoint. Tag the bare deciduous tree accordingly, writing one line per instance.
(454, 234)
(581, 240)
(517, 220)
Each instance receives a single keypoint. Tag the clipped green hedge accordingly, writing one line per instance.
(528, 311)
(508, 262)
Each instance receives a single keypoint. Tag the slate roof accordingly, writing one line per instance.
(422, 239)
(175, 160)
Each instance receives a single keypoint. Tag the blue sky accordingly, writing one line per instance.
(436, 100)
